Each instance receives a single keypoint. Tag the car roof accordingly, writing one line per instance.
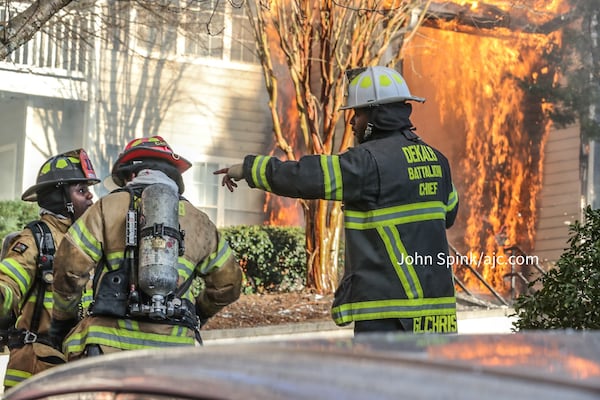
(553, 364)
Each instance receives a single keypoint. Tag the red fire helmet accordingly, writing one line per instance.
(151, 147)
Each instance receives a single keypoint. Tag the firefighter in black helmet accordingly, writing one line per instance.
(398, 202)
(62, 192)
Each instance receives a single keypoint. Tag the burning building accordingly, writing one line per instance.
(476, 63)
(476, 77)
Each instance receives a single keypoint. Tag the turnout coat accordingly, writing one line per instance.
(19, 283)
(398, 200)
(99, 236)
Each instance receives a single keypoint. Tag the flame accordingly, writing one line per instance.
(492, 130)
(282, 211)
(497, 132)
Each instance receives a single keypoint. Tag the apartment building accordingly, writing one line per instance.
(108, 72)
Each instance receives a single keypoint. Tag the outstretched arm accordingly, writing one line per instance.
(231, 174)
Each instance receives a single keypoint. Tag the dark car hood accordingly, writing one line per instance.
(549, 365)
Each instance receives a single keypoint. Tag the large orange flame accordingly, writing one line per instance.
(492, 129)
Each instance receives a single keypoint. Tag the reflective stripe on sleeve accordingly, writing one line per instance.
(216, 259)
(332, 177)
(259, 172)
(85, 240)
(11, 268)
(452, 199)
(15, 376)
(7, 304)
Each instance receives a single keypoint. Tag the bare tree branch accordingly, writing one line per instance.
(312, 43)
(20, 29)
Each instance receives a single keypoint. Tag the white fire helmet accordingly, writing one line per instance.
(376, 85)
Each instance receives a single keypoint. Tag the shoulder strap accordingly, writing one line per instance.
(44, 241)
(130, 237)
(45, 260)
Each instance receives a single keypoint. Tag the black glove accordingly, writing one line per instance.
(6, 323)
(59, 329)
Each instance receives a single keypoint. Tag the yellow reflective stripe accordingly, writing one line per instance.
(15, 271)
(332, 177)
(84, 239)
(115, 259)
(129, 324)
(185, 267)
(125, 339)
(87, 298)
(67, 306)
(398, 215)
(15, 376)
(452, 199)
(259, 172)
(216, 259)
(405, 271)
(48, 300)
(400, 308)
(133, 325)
(8, 299)
(179, 330)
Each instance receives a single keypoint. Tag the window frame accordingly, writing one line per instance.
(181, 49)
(222, 208)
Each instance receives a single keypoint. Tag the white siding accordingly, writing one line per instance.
(560, 200)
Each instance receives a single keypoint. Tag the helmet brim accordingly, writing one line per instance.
(31, 193)
(385, 101)
(137, 153)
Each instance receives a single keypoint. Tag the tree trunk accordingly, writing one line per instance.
(323, 232)
(311, 44)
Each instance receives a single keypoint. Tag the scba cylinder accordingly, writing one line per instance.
(158, 243)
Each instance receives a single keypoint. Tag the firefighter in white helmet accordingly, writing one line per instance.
(399, 200)
(135, 307)
(62, 192)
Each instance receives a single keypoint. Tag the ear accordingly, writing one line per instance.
(130, 177)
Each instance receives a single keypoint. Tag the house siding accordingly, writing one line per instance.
(213, 111)
(560, 199)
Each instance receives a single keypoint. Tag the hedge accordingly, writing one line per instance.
(569, 297)
(15, 214)
(273, 258)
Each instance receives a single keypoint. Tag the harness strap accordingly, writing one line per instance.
(18, 338)
(45, 261)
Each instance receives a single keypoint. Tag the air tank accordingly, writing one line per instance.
(158, 243)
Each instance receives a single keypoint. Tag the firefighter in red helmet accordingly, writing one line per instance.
(62, 192)
(144, 244)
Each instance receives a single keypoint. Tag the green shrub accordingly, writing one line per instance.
(273, 258)
(570, 293)
(15, 214)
